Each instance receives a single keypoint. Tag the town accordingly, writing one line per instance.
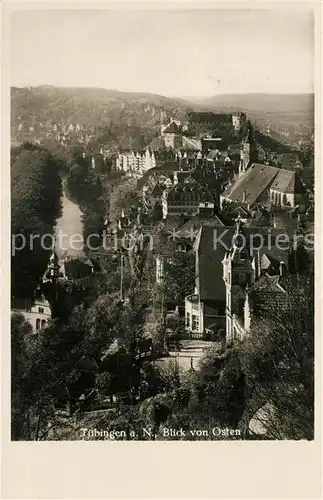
(181, 294)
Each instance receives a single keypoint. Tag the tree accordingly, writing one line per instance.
(278, 360)
(118, 375)
(21, 330)
(35, 195)
(180, 276)
(48, 359)
(123, 197)
(103, 321)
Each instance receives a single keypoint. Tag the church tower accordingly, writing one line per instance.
(238, 274)
(50, 281)
(249, 153)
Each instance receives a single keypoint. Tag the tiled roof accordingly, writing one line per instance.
(75, 268)
(181, 189)
(253, 182)
(172, 128)
(211, 245)
(165, 168)
(273, 256)
(269, 290)
(188, 231)
(209, 270)
(191, 143)
(87, 364)
(174, 245)
(157, 189)
(285, 181)
(197, 221)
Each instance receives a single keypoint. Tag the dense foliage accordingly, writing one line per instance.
(269, 378)
(35, 195)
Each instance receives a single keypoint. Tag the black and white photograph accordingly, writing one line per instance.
(162, 224)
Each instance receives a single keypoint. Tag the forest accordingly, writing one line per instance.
(35, 206)
(267, 379)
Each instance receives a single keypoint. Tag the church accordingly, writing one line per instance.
(258, 183)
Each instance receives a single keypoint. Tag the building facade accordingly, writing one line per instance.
(185, 199)
(37, 312)
(135, 163)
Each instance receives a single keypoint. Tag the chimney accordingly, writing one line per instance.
(281, 268)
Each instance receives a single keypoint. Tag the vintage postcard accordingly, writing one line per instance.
(161, 260)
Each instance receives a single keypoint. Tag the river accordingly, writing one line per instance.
(69, 230)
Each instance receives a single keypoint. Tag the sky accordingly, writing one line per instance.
(173, 53)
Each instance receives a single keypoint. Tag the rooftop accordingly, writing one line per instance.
(285, 181)
(172, 128)
(211, 246)
(191, 143)
(251, 184)
(182, 189)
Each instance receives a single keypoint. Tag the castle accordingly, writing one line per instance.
(174, 138)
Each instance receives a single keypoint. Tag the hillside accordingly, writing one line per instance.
(132, 119)
(39, 112)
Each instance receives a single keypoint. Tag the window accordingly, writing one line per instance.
(37, 324)
(41, 310)
(195, 322)
(276, 198)
(43, 323)
(188, 319)
(241, 277)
